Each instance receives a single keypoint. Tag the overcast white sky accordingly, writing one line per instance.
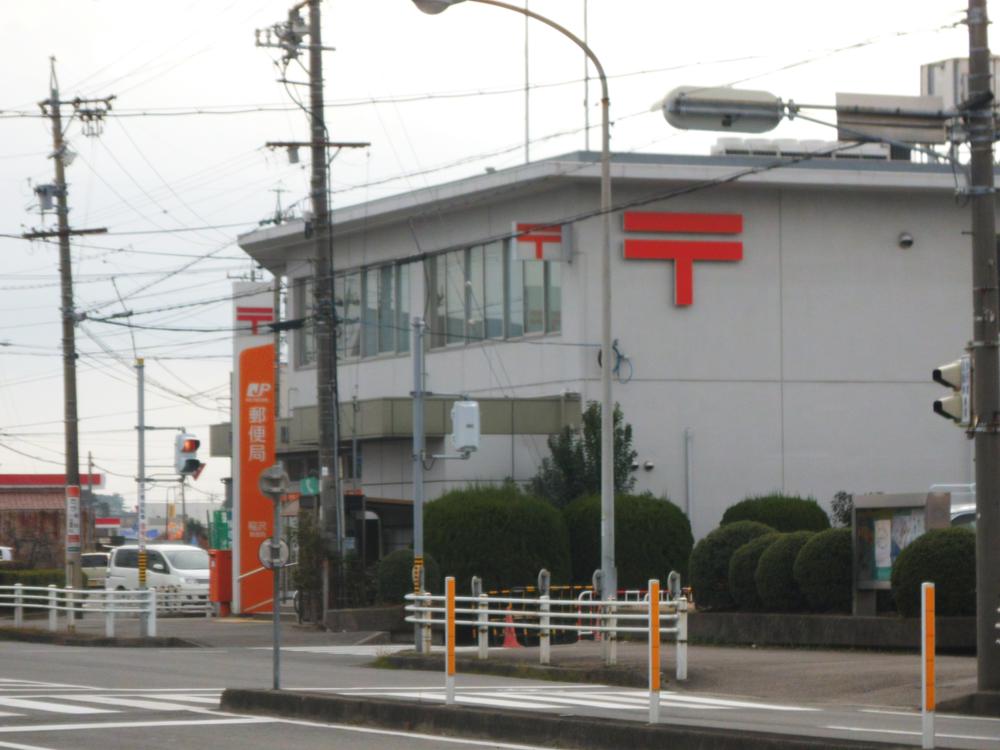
(439, 97)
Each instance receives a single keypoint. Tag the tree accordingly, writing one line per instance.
(574, 468)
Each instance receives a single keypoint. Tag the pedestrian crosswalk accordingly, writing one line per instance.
(21, 699)
(565, 697)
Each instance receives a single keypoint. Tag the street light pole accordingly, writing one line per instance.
(609, 573)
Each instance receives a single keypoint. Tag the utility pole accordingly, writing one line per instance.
(141, 487)
(984, 348)
(289, 36)
(417, 348)
(91, 113)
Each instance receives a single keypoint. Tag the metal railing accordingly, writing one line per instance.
(610, 617)
(77, 603)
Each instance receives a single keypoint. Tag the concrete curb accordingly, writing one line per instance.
(621, 676)
(982, 703)
(578, 732)
(30, 635)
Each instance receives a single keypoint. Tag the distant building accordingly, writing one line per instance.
(776, 319)
(33, 518)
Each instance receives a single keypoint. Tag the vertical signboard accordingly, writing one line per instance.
(253, 443)
(72, 520)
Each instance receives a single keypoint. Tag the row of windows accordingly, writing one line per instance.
(478, 293)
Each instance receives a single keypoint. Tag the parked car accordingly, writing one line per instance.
(964, 515)
(177, 566)
(94, 566)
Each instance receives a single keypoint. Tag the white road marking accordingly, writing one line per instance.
(18, 746)
(440, 697)
(135, 724)
(939, 735)
(360, 650)
(34, 684)
(32, 704)
(121, 702)
(209, 699)
(413, 735)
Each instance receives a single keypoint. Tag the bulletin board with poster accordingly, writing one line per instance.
(884, 525)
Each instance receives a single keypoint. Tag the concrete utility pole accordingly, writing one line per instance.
(984, 348)
(417, 349)
(91, 112)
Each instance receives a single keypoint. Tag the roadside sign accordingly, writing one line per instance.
(264, 553)
(309, 486)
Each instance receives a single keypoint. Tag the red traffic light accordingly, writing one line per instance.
(190, 445)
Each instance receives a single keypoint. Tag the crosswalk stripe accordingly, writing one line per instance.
(207, 699)
(474, 700)
(120, 702)
(32, 704)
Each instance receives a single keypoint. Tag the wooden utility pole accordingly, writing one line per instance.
(91, 113)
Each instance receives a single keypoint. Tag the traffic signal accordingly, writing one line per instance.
(957, 405)
(186, 455)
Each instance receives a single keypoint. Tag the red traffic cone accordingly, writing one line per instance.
(509, 637)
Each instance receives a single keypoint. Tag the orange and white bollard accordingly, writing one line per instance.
(449, 640)
(654, 651)
(927, 643)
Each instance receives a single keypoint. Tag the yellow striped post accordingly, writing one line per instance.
(449, 636)
(654, 651)
(927, 632)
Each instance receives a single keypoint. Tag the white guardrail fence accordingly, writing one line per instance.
(77, 603)
(657, 614)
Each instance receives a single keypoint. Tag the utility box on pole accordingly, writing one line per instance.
(465, 426)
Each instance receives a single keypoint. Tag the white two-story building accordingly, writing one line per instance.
(777, 319)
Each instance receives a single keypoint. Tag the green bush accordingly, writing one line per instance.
(709, 566)
(775, 581)
(498, 533)
(652, 537)
(946, 557)
(32, 577)
(742, 567)
(780, 512)
(822, 571)
(394, 576)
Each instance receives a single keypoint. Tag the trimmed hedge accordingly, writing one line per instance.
(776, 584)
(780, 512)
(652, 537)
(822, 571)
(742, 568)
(498, 533)
(32, 576)
(946, 557)
(709, 566)
(394, 576)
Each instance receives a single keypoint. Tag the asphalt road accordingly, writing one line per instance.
(57, 698)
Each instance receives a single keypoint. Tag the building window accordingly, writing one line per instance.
(305, 337)
(487, 292)
(403, 308)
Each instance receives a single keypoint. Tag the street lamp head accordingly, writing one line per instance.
(722, 108)
(433, 7)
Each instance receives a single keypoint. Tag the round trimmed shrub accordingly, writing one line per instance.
(498, 533)
(780, 512)
(742, 568)
(822, 571)
(652, 537)
(394, 576)
(709, 566)
(946, 557)
(775, 581)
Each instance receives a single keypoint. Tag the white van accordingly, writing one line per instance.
(177, 566)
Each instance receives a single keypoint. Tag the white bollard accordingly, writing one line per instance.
(70, 611)
(483, 630)
(18, 608)
(151, 619)
(544, 635)
(110, 602)
(682, 639)
(53, 611)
